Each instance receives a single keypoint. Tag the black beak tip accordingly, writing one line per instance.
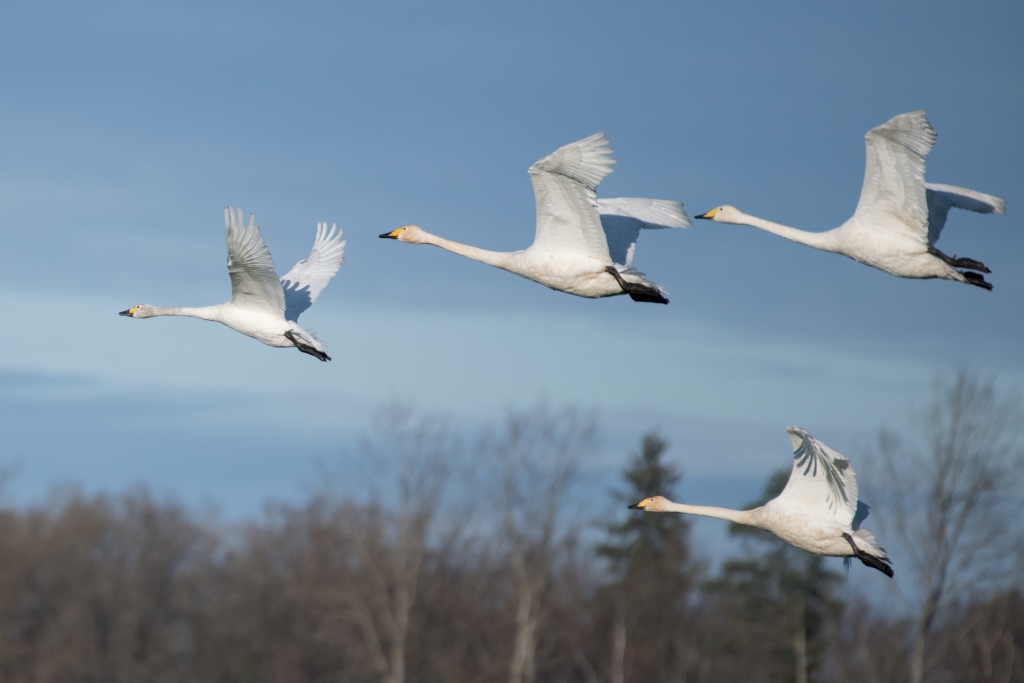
(634, 506)
(126, 313)
(703, 216)
(387, 236)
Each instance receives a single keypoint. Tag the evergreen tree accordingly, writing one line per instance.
(652, 575)
(782, 596)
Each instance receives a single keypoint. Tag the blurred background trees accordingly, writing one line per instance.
(489, 564)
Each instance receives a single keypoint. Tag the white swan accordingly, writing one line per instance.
(263, 306)
(818, 510)
(899, 217)
(584, 245)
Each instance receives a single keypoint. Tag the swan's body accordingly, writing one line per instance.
(262, 305)
(818, 510)
(899, 217)
(584, 245)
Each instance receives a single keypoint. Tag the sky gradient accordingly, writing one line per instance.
(125, 128)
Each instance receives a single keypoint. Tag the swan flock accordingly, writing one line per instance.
(585, 246)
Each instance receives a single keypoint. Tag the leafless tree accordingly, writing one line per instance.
(538, 452)
(391, 540)
(954, 500)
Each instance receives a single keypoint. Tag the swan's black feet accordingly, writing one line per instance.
(870, 560)
(306, 348)
(975, 279)
(637, 291)
(968, 263)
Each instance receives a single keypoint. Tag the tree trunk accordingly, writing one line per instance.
(522, 668)
(800, 642)
(618, 648)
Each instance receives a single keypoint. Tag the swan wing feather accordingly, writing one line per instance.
(304, 282)
(942, 198)
(622, 219)
(893, 195)
(822, 482)
(254, 284)
(564, 185)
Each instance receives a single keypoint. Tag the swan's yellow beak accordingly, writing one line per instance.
(643, 503)
(393, 235)
(130, 312)
(709, 215)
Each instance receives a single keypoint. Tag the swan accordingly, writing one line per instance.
(818, 510)
(899, 216)
(262, 306)
(584, 245)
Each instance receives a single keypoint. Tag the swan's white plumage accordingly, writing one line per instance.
(622, 219)
(899, 217)
(892, 197)
(942, 198)
(822, 482)
(576, 249)
(817, 511)
(254, 284)
(564, 184)
(304, 282)
(257, 306)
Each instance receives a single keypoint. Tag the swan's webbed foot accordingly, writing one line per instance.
(870, 560)
(637, 291)
(975, 279)
(968, 263)
(306, 348)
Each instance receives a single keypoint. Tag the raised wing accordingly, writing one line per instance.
(622, 218)
(942, 198)
(893, 196)
(563, 185)
(822, 482)
(303, 283)
(254, 284)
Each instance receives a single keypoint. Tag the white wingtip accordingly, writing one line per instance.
(797, 436)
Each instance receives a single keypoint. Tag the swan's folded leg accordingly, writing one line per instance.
(636, 291)
(301, 345)
(869, 560)
(955, 262)
(975, 279)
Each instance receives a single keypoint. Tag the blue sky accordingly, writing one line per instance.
(126, 127)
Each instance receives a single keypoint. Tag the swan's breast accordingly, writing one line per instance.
(263, 327)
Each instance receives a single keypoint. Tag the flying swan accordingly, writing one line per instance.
(817, 511)
(584, 245)
(899, 216)
(262, 306)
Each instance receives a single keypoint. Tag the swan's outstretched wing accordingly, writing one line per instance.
(822, 482)
(622, 218)
(303, 283)
(254, 284)
(893, 197)
(941, 198)
(563, 185)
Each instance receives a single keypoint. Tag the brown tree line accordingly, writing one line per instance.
(489, 562)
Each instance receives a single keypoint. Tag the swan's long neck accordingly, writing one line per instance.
(498, 259)
(201, 312)
(819, 240)
(739, 516)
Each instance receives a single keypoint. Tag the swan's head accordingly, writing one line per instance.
(652, 504)
(723, 214)
(140, 311)
(406, 233)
